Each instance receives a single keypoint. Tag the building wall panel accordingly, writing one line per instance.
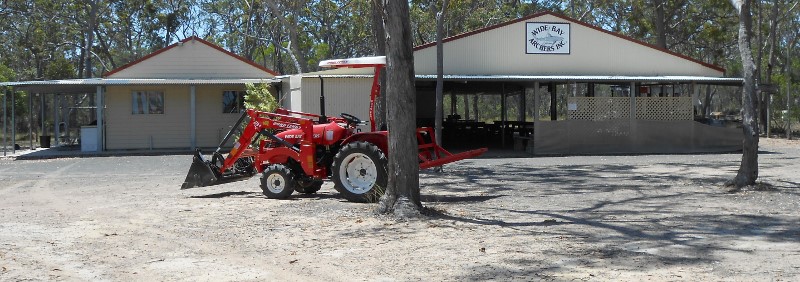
(190, 60)
(125, 130)
(212, 123)
(501, 51)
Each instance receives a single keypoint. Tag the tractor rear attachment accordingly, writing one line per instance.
(432, 155)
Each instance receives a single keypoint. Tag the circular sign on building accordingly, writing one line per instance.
(547, 38)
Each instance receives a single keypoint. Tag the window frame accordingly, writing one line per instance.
(238, 106)
(146, 108)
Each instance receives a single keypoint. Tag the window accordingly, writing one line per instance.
(148, 102)
(233, 101)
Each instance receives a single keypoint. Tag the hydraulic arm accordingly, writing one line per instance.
(225, 169)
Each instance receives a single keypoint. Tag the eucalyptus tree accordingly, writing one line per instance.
(748, 169)
(402, 196)
(379, 47)
(288, 14)
(126, 31)
(32, 35)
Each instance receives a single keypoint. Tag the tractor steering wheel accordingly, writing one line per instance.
(351, 119)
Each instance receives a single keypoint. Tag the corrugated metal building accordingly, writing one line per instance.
(183, 96)
(531, 58)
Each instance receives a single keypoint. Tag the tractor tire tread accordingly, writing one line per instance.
(381, 162)
(287, 176)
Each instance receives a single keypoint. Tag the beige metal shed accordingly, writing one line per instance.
(616, 102)
(186, 95)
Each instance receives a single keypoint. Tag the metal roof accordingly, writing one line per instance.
(89, 84)
(590, 78)
(568, 78)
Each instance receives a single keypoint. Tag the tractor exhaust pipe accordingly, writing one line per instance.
(322, 118)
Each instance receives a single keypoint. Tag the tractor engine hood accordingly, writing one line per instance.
(324, 134)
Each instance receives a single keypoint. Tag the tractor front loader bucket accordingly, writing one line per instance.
(200, 173)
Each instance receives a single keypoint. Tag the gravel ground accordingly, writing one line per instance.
(594, 218)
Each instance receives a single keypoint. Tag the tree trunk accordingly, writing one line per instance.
(748, 170)
(440, 73)
(294, 44)
(771, 57)
(466, 108)
(660, 24)
(708, 99)
(82, 56)
(380, 50)
(477, 116)
(91, 25)
(760, 106)
(402, 194)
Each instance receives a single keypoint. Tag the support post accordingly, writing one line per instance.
(633, 100)
(535, 101)
(30, 119)
(522, 113)
(193, 116)
(13, 124)
(5, 114)
(503, 115)
(788, 111)
(56, 118)
(695, 94)
(553, 100)
(788, 99)
(41, 105)
(769, 112)
(100, 125)
(452, 102)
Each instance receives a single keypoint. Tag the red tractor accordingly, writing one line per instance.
(302, 149)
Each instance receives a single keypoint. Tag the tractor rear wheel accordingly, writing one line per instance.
(360, 172)
(277, 182)
(308, 186)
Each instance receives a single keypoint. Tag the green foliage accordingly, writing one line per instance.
(260, 97)
(60, 68)
(38, 35)
(6, 73)
(780, 114)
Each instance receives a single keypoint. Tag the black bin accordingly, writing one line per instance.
(44, 141)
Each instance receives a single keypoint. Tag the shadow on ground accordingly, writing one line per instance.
(642, 219)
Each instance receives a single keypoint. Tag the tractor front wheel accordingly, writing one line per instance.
(359, 172)
(277, 182)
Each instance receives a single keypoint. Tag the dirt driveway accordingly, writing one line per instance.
(593, 218)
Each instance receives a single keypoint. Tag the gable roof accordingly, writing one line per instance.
(192, 57)
(499, 49)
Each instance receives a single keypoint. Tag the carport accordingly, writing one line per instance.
(52, 93)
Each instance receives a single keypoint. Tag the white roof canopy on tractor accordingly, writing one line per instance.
(354, 62)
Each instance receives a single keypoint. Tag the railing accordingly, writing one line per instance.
(614, 108)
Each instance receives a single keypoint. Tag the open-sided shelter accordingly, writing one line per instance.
(574, 88)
